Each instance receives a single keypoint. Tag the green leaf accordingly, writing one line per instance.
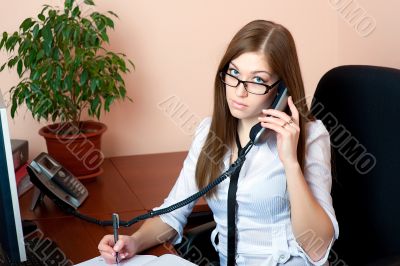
(32, 58)
(47, 47)
(4, 39)
(76, 11)
(68, 83)
(40, 55)
(36, 75)
(56, 54)
(46, 32)
(93, 85)
(17, 95)
(41, 17)
(122, 91)
(11, 63)
(84, 77)
(86, 22)
(45, 7)
(11, 42)
(94, 104)
(35, 88)
(76, 35)
(2, 67)
(47, 39)
(108, 102)
(89, 2)
(112, 13)
(67, 32)
(58, 73)
(13, 109)
(26, 24)
(104, 36)
(19, 67)
(35, 31)
(5, 35)
(109, 22)
(49, 73)
(52, 13)
(68, 4)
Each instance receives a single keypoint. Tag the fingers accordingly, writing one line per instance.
(283, 123)
(281, 118)
(106, 244)
(108, 258)
(126, 246)
(279, 114)
(273, 120)
(293, 109)
(275, 127)
(108, 249)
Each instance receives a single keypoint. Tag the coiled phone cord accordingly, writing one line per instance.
(232, 168)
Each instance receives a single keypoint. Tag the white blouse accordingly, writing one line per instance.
(264, 230)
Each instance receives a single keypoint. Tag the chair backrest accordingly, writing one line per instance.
(360, 107)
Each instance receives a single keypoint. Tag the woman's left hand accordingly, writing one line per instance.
(287, 129)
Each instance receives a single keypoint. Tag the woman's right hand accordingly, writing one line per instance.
(126, 247)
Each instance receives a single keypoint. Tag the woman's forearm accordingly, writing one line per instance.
(312, 227)
(153, 232)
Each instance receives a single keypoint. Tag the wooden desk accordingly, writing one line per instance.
(130, 186)
(152, 176)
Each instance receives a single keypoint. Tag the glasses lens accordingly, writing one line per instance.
(256, 88)
(229, 80)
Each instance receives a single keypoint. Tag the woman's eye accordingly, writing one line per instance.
(259, 80)
(233, 72)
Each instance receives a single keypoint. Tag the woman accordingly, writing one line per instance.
(284, 212)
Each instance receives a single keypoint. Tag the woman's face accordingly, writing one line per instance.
(251, 66)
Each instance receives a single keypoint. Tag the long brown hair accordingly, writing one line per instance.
(278, 46)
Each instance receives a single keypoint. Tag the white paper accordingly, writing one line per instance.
(138, 260)
(168, 260)
(142, 260)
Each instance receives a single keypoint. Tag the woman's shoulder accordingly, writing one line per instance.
(203, 127)
(206, 122)
(315, 129)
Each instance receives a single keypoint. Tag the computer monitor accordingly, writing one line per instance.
(11, 232)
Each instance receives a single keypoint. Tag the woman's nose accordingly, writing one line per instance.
(241, 90)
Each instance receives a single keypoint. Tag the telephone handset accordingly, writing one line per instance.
(258, 134)
(56, 182)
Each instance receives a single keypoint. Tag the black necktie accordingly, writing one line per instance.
(232, 210)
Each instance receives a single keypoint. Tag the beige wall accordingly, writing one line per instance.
(176, 46)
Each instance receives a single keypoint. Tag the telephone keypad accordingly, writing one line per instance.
(71, 185)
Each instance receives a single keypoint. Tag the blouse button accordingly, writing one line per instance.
(283, 258)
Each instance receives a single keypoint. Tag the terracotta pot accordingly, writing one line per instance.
(80, 153)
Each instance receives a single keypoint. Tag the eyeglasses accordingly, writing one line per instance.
(249, 86)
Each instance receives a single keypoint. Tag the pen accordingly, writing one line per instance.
(115, 219)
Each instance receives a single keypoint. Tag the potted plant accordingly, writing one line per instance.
(64, 73)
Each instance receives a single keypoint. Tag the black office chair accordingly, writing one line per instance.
(360, 107)
(196, 246)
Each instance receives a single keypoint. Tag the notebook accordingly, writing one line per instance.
(142, 260)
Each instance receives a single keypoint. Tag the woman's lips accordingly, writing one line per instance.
(238, 105)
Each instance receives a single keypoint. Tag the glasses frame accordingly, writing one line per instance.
(267, 87)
